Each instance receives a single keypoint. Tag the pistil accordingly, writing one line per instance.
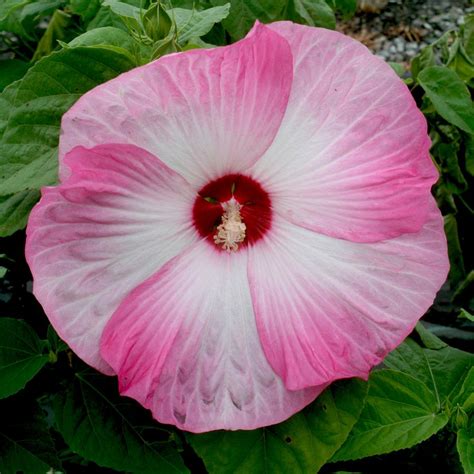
(231, 232)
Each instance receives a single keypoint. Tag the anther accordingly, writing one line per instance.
(231, 232)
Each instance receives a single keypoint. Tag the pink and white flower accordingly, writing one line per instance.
(236, 228)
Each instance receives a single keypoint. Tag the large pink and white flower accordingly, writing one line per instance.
(236, 228)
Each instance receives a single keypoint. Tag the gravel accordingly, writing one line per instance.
(400, 30)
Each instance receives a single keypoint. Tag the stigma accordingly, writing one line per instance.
(231, 232)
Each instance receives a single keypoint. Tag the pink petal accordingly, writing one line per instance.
(205, 113)
(185, 345)
(328, 308)
(351, 157)
(112, 224)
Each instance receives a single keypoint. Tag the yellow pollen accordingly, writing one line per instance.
(231, 232)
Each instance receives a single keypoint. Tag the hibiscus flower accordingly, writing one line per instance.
(236, 228)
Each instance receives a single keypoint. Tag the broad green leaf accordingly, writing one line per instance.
(25, 442)
(56, 344)
(189, 4)
(466, 315)
(346, 7)
(12, 24)
(25, 17)
(95, 427)
(449, 95)
(468, 35)
(457, 271)
(156, 22)
(446, 155)
(442, 370)
(57, 30)
(462, 64)
(109, 37)
(464, 397)
(465, 446)
(21, 355)
(312, 12)
(11, 70)
(428, 339)
(465, 291)
(400, 411)
(194, 24)
(39, 8)
(30, 113)
(15, 209)
(301, 444)
(86, 9)
(424, 59)
(398, 68)
(130, 14)
(469, 157)
(243, 14)
(105, 17)
(8, 6)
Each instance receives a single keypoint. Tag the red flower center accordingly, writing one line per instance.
(211, 209)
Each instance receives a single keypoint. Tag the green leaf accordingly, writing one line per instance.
(130, 13)
(8, 6)
(466, 315)
(468, 35)
(11, 70)
(37, 9)
(424, 59)
(446, 155)
(25, 17)
(194, 24)
(56, 30)
(346, 7)
(106, 17)
(15, 209)
(109, 37)
(301, 444)
(449, 95)
(462, 64)
(465, 446)
(56, 344)
(25, 442)
(86, 9)
(400, 411)
(398, 68)
(95, 426)
(442, 370)
(464, 397)
(469, 157)
(21, 355)
(156, 22)
(243, 14)
(31, 111)
(312, 12)
(465, 291)
(428, 339)
(457, 272)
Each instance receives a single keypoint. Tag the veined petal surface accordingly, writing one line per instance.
(329, 308)
(185, 345)
(351, 157)
(114, 222)
(205, 113)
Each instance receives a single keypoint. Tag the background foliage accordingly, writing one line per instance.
(56, 413)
